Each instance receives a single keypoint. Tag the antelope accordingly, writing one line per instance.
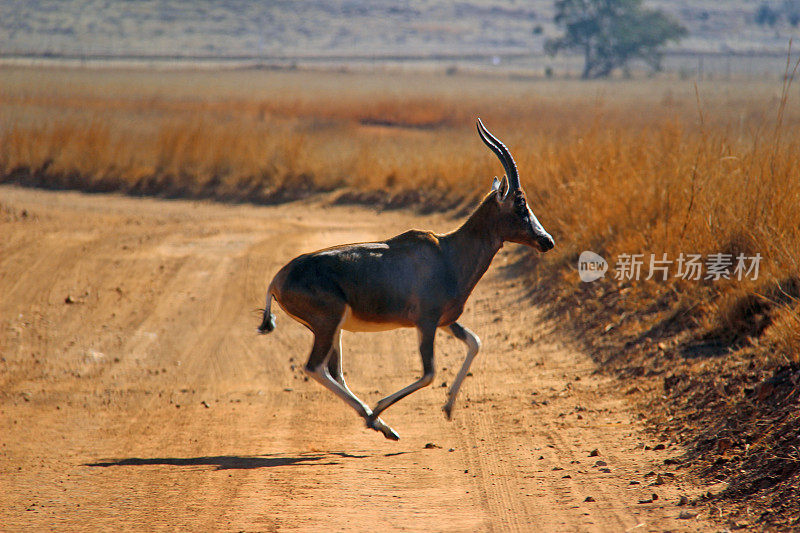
(418, 279)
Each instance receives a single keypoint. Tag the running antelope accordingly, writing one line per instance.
(418, 279)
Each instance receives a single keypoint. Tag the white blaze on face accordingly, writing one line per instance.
(535, 224)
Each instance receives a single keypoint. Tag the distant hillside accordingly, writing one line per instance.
(287, 29)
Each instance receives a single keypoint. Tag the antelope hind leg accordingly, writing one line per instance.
(334, 372)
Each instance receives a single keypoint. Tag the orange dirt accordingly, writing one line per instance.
(136, 394)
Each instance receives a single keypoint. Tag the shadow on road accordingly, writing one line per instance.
(228, 462)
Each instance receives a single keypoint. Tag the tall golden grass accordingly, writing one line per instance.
(653, 166)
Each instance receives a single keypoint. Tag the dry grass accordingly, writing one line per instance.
(650, 166)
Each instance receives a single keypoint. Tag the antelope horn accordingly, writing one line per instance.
(503, 154)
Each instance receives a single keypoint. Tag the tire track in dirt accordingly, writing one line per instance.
(151, 404)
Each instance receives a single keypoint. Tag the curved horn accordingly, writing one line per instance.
(502, 153)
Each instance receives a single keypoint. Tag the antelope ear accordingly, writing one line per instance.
(501, 186)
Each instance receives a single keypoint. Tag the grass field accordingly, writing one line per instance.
(615, 167)
(650, 167)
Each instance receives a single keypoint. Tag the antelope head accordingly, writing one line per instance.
(515, 221)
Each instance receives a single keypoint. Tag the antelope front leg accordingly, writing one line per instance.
(426, 338)
(473, 345)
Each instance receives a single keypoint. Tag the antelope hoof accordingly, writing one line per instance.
(448, 410)
(379, 425)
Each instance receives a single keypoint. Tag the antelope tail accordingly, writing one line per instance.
(268, 320)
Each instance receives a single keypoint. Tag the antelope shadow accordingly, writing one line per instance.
(233, 462)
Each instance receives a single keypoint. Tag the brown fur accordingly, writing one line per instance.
(417, 279)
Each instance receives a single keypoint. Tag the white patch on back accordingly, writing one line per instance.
(360, 246)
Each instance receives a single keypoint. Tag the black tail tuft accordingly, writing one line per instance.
(267, 323)
(267, 318)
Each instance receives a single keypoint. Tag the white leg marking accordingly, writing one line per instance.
(337, 347)
(321, 375)
(424, 381)
(473, 345)
(383, 403)
(340, 389)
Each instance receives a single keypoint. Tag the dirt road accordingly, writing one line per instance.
(135, 393)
